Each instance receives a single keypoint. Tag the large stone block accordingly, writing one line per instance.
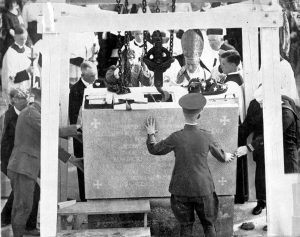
(118, 165)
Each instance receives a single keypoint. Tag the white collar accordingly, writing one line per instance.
(85, 83)
(17, 111)
(138, 44)
(21, 47)
(190, 123)
(232, 73)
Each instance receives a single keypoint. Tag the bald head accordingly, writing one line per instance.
(88, 71)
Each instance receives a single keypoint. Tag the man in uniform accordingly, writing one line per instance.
(191, 187)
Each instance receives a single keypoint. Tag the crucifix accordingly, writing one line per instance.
(32, 57)
(158, 59)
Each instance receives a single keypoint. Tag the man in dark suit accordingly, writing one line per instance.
(88, 76)
(191, 187)
(19, 102)
(24, 164)
(254, 123)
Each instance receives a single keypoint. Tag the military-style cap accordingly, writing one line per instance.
(192, 102)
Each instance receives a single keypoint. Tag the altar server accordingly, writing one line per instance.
(191, 187)
(17, 71)
(229, 62)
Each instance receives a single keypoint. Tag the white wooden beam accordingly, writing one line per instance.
(83, 2)
(64, 106)
(250, 69)
(49, 133)
(250, 62)
(277, 218)
(180, 20)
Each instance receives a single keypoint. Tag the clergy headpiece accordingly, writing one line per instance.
(192, 45)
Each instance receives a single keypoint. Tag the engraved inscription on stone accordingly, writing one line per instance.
(118, 165)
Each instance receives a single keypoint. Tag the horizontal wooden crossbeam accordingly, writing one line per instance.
(202, 20)
(83, 2)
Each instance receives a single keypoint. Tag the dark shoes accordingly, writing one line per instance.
(258, 209)
(265, 228)
(247, 226)
(33, 232)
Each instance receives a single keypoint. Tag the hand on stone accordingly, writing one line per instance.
(78, 162)
(150, 126)
(241, 151)
(229, 157)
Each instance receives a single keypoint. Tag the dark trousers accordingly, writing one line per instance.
(23, 188)
(7, 209)
(206, 208)
(81, 185)
(260, 180)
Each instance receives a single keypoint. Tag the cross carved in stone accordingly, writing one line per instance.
(222, 181)
(224, 120)
(95, 123)
(97, 184)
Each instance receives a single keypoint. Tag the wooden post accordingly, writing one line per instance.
(251, 81)
(276, 217)
(250, 62)
(49, 133)
(64, 106)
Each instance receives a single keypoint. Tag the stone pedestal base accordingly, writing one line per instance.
(162, 221)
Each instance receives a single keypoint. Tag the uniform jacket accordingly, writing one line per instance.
(7, 142)
(25, 157)
(191, 175)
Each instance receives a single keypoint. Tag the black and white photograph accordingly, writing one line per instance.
(150, 118)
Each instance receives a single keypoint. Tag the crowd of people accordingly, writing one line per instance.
(206, 62)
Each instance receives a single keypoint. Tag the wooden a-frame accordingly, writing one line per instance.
(61, 19)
